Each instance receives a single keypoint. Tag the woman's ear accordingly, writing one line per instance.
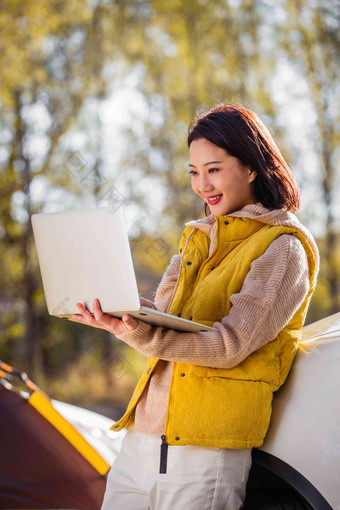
(252, 175)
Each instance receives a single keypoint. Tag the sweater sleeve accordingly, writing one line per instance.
(273, 290)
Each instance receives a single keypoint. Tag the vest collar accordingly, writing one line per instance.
(263, 215)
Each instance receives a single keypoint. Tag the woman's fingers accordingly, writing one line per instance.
(87, 317)
(85, 314)
(108, 320)
(97, 311)
(104, 320)
(129, 322)
(147, 302)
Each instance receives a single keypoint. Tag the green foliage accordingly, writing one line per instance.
(51, 59)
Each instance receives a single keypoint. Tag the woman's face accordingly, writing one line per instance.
(223, 182)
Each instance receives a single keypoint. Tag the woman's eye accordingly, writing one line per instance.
(192, 172)
(213, 169)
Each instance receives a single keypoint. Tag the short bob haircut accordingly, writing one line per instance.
(243, 135)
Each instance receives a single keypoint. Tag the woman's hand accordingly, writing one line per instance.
(105, 321)
(147, 302)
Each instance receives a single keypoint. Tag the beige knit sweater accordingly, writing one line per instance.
(274, 288)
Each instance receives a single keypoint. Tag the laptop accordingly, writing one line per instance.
(85, 254)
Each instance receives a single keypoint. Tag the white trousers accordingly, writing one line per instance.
(196, 478)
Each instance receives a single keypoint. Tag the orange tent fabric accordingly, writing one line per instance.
(39, 468)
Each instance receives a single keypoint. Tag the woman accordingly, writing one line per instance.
(248, 269)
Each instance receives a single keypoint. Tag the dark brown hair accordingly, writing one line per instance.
(243, 135)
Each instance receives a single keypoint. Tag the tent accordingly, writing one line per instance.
(44, 461)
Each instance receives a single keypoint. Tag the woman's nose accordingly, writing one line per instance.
(205, 184)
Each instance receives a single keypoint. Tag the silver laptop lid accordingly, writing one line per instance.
(77, 267)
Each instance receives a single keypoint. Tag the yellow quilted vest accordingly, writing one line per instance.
(224, 408)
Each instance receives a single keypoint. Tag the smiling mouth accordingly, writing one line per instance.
(214, 200)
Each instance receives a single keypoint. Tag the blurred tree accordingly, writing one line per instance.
(196, 54)
(52, 57)
(311, 39)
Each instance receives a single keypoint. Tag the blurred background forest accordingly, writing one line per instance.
(96, 97)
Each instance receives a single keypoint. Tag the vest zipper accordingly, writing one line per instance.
(164, 455)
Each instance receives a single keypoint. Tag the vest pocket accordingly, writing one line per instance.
(223, 412)
(243, 372)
